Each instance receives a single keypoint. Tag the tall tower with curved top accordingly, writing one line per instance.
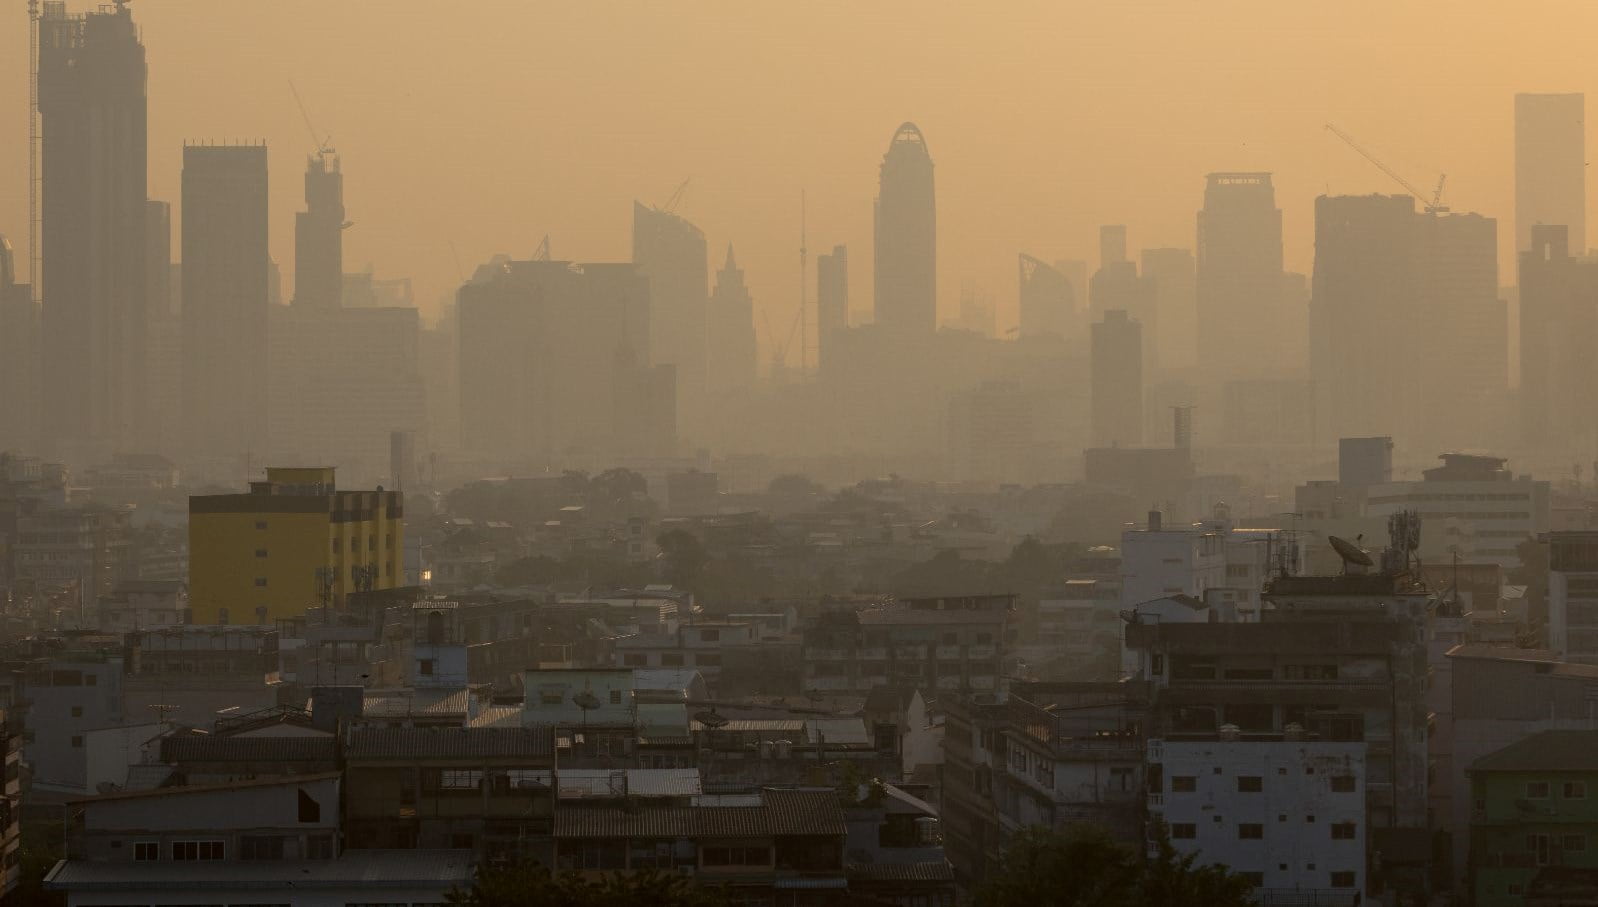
(906, 280)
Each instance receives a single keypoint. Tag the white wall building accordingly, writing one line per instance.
(1160, 560)
(1472, 504)
(1288, 814)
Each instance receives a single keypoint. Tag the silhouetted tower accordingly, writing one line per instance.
(1558, 330)
(832, 299)
(1117, 285)
(1047, 300)
(93, 110)
(319, 236)
(1551, 167)
(1241, 318)
(732, 332)
(225, 304)
(1117, 380)
(1171, 276)
(906, 237)
(671, 253)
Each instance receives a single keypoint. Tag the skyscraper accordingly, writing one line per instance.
(225, 306)
(906, 246)
(1551, 167)
(1241, 319)
(319, 236)
(1117, 285)
(1558, 330)
(19, 356)
(93, 111)
(732, 333)
(832, 299)
(1117, 380)
(670, 252)
(1170, 273)
(1047, 301)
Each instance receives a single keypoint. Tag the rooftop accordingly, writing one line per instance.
(367, 868)
(451, 743)
(780, 813)
(1549, 751)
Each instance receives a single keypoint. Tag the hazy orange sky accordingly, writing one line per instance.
(490, 124)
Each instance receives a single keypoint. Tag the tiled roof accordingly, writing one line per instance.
(366, 868)
(202, 748)
(902, 872)
(757, 725)
(450, 743)
(1549, 751)
(272, 781)
(782, 812)
(414, 703)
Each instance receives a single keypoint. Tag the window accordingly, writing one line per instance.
(260, 552)
(319, 847)
(550, 697)
(1250, 784)
(77, 741)
(196, 850)
(710, 635)
(1574, 790)
(1343, 878)
(1538, 845)
(425, 667)
(77, 711)
(635, 660)
(615, 697)
(671, 659)
(260, 847)
(1183, 831)
(736, 856)
(309, 810)
(1573, 843)
(707, 660)
(260, 581)
(1183, 784)
(146, 851)
(1250, 831)
(1342, 784)
(1536, 790)
(460, 779)
(260, 524)
(1343, 831)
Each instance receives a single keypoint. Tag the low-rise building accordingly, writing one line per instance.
(1533, 810)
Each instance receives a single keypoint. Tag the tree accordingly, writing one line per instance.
(530, 885)
(618, 484)
(684, 558)
(1084, 867)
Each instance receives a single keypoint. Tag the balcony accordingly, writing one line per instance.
(1156, 803)
(978, 652)
(910, 653)
(949, 653)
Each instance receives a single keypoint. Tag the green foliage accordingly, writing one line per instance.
(530, 885)
(683, 558)
(1084, 867)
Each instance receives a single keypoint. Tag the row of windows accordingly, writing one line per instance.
(1253, 784)
(1569, 790)
(1255, 831)
(672, 660)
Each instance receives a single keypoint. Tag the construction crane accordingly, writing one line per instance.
(324, 146)
(1434, 205)
(676, 197)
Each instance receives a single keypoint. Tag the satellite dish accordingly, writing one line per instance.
(1350, 552)
(585, 700)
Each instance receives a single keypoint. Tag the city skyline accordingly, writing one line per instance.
(1044, 190)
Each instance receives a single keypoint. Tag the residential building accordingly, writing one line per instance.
(20, 365)
(669, 254)
(953, 643)
(292, 542)
(11, 801)
(1159, 560)
(1558, 322)
(1532, 812)
(906, 244)
(82, 552)
(68, 696)
(1048, 303)
(1573, 595)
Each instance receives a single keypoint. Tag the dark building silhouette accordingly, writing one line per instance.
(1117, 380)
(550, 362)
(93, 111)
(163, 335)
(732, 333)
(670, 252)
(1116, 285)
(319, 236)
(906, 249)
(225, 306)
(1048, 301)
(1407, 332)
(1551, 166)
(832, 298)
(19, 356)
(1170, 274)
(1241, 315)
(1558, 329)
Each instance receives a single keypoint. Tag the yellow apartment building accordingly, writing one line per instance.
(292, 542)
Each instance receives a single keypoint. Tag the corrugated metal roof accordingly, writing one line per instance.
(502, 716)
(369, 868)
(758, 725)
(371, 744)
(840, 731)
(414, 703)
(902, 872)
(781, 812)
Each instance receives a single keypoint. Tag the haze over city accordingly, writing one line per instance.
(509, 454)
